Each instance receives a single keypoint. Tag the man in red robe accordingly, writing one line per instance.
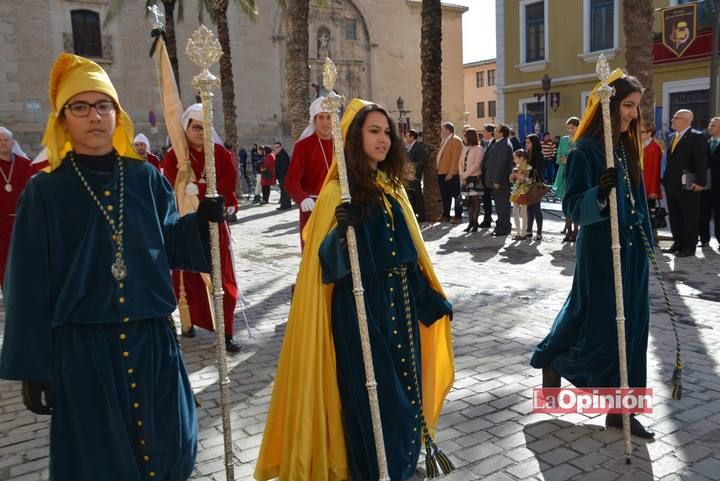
(310, 162)
(190, 284)
(142, 147)
(16, 172)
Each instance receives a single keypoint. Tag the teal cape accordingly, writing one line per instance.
(384, 246)
(122, 403)
(582, 344)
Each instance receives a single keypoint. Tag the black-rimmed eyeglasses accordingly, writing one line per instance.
(82, 109)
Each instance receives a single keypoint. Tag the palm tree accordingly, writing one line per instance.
(638, 28)
(431, 72)
(115, 9)
(296, 63)
(218, 12)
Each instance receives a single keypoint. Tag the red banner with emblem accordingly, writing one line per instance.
(679, 28)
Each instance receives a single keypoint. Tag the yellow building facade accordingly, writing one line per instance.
(480, 80)
(563, 39)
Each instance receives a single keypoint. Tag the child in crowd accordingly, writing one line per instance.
(521, 181)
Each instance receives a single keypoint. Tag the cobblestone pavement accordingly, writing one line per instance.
(505, 296)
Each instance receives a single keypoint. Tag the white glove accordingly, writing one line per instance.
(307, 205)
(230, 210)
(192, 189)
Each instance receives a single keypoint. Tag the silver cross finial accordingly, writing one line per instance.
(155, 10)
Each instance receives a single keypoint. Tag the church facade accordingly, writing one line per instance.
(374, 43)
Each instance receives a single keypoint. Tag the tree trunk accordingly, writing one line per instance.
(638, 27)
(296, 64)
(227, 84)
(171, 43)
(431, 71)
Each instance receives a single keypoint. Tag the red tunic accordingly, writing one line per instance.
(196, 293)
(154, 160)
(267, 171)
(310, 162)
(21, 173)
(652, 158)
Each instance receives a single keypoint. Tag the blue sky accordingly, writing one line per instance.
(478, 29)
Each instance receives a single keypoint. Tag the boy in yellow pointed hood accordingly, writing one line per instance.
(88, 294)
(319, 427)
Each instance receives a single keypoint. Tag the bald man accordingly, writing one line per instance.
(684, 179)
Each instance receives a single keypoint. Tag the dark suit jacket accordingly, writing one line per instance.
(499, 164)
(690, 155)
(282, 164)
(714, 166)
(418, 157)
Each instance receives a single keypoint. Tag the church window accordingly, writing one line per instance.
(350, 29)
(87, 40)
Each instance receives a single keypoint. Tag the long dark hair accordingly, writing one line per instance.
(535, 155)
(629, 139)
(363, 189)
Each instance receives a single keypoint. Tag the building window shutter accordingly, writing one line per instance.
(87, 40)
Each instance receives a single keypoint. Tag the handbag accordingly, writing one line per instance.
(537, 192)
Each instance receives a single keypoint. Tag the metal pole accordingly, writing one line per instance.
(204, 50)
(546, 127)
(333, 103)
(605, 92)
(714, 58)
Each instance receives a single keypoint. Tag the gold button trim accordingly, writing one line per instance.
(136, 405)
(123, 337)
(142, 442)
(146, 458)
(107, 193)
(399, 346)
(126, 320)
(392, 289)
(395, 331)
(139, 423)
(110, 207)
(391, 239)
(121, 300)
(402, 360)
(409, 388)
(151, 474)
(126, 354)
(131, 370)
(133, 385)
(394, 253)
(121, 284)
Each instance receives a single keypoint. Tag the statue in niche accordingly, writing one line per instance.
(323, 43)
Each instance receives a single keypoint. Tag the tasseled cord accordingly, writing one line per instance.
(677, 379)
(436, 460)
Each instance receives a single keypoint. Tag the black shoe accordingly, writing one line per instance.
(704, 243)
(637, 429)
(469, 227)
(189, 333)
(550, 377)
(231, 345)
(500, 233)
(474, 228)
(672, 249)
(686, 253)
(485, 224)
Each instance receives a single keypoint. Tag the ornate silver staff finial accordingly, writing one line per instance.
(602, 68)
(159, 16)
(203, 48)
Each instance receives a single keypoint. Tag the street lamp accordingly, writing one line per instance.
(546, 82)
(401, 108)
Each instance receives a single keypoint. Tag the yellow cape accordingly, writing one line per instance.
(71, 75)
(304, 438)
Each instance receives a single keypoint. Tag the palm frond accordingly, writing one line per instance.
(249, 8)
(180, 14)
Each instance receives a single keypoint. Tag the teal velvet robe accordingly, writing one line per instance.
(582, 344)
(384, 245)
(120, 389)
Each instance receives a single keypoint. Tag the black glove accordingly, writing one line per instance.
(347, 215)
(32, 395)
(608, 181)
(211, 209)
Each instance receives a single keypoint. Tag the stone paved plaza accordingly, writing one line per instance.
(505, 296)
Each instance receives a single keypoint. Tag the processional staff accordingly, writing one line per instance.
(334, 103)
(605, 92)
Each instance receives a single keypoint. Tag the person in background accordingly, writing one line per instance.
(142, 147)
(282, 164)
(16, 170)
(470, 164)
(710, 198)
(537, 162)
(571, 229)
(267, 173)
(652, 160)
